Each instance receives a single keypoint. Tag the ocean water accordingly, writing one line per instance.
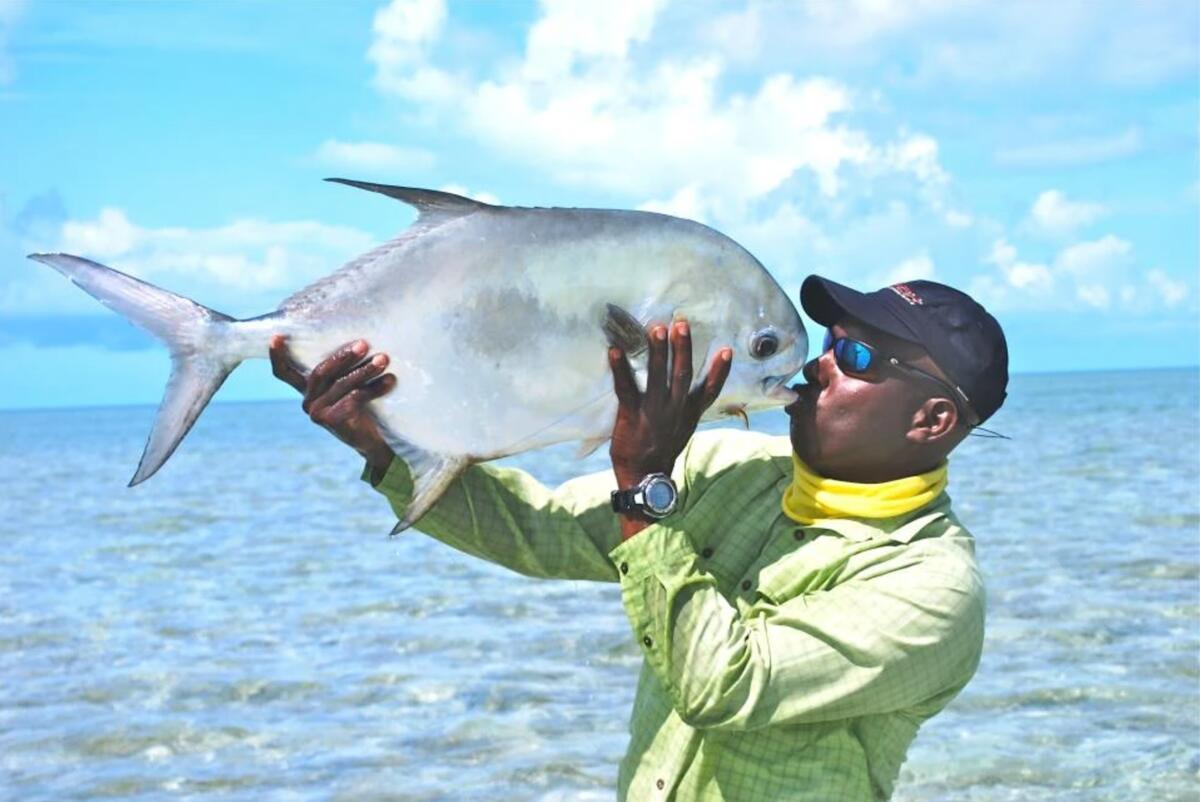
(241, 627)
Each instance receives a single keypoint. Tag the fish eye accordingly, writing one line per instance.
(764, 343)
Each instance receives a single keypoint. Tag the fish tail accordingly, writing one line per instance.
(203, 346)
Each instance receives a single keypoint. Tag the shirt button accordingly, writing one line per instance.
(747, 584)
(707, 552)
(646, 640)
(660, 785)
(798, 534)
(624, 568)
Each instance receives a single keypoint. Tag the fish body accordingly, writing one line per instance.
(496, 320)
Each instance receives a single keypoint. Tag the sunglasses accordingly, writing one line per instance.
(856, 358)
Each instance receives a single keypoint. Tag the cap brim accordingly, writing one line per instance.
(828, 302)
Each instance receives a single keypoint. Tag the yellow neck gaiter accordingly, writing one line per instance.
(811, 497)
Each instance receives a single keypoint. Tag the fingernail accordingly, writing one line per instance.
(682, 328)
(660, 332)
(360, 347)
(379, 360)
(727, 354)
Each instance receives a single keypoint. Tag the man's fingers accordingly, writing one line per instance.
(282, 365)
(718, 372)
(332, 368)
(351, 405)
(681, 363)
(349, 382)
(624, 383)
(656, 367)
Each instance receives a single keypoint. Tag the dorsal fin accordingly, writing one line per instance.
(429, 203)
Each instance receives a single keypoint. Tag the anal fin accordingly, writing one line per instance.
(432, 473)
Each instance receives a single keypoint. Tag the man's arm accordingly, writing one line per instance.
(505, 516)
(502, 515)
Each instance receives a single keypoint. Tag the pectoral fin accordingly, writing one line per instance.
(624, 331)
(739, 411)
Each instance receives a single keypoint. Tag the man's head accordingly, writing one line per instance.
(906, 372)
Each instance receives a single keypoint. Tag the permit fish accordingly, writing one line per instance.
(497, 321)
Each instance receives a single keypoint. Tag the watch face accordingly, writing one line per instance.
(659, 496)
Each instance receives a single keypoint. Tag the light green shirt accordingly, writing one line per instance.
(782, 662)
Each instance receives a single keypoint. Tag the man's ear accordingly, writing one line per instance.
(934, 420)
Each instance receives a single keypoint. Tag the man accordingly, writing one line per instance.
(802, 606)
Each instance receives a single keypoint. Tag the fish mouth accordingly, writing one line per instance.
(775, 387)
(801, 393)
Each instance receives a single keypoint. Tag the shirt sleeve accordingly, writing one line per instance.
(906, 637)
(505, 516)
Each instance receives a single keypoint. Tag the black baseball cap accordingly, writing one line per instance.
(959, 335)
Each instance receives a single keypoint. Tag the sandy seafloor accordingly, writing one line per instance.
(241, 628)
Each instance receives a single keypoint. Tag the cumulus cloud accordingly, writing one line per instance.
(590, 103)
(918, 266)
(245, 267)
(1094, 274)
(373, 156)
(1054, 214)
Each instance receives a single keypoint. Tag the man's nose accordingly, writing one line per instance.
(820, 368)
(812, 371)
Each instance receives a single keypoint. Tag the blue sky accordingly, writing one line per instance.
(1042, 156)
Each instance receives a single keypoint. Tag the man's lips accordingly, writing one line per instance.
(805, 393)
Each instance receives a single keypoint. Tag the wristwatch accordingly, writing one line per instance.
(654, 497)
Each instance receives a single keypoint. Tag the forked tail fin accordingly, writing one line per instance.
(203, 344)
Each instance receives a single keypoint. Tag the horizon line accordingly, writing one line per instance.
(232, 401)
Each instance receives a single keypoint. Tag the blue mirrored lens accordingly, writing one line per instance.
(852, 355)
(828, 341)
(860, 355)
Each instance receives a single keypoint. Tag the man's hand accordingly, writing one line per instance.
(336, 393)
(652, 428)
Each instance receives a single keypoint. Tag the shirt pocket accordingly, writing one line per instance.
(815, 567)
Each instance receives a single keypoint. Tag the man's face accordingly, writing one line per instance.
(852, 428)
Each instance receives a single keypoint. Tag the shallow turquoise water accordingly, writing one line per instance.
(241, 628)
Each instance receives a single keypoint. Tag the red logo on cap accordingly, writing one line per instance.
(906, 292)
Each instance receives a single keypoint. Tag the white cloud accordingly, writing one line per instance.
(592, 103)
(956, 218)
(1097, 295)
(918, 266)
(569, 32)
(404, 31)
(1074, 151)
(1094, 258)
(1095, 274)
(482, 197)
(1053, 213)
(244, 267)
(1021, 276)
(373, 156)
(1171, 291)
(687, 203)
